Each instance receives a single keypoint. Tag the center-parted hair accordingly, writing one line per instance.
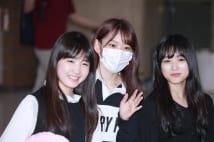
(170, 115)
(69, 45)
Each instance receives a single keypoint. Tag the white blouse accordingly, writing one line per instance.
(23, 121)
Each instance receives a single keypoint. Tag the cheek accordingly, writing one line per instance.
(62, 69)
(164, 73)
(164, 68)
(185, 67)
(59, 71)
(85, 72)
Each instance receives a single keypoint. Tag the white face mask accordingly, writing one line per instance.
(115, 60)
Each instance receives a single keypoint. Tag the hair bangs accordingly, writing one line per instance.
(127, 33)
(170, 51)
(127, 38)
(74, 49)
(172, 47)
(71, 52)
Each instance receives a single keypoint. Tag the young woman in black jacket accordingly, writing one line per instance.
(177, 110)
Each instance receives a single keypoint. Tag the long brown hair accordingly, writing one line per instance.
(130, 74)
(69, 45)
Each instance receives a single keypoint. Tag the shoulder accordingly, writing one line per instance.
(150, 100)
(39, 95)
(149, 109)
(39, 92)
(149, 119)
(208, 99)
(29, 101)
(209, 104)
(210, 111)
(23, 120)
(28, 106)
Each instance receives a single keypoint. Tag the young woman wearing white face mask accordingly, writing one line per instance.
(118, 87)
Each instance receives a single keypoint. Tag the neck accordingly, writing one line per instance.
(67, 91)
(112, 80)
(178, 94)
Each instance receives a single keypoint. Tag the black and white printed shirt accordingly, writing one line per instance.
(108, 103)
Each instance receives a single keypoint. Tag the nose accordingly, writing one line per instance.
(121, 47)
(77, 69)
(174, 65)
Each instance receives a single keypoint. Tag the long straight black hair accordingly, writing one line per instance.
(170, 119)
(69, 45)
(113, 26)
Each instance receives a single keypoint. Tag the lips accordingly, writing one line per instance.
(175, 74)
(74, 78)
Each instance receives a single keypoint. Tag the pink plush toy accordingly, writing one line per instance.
(46, 137)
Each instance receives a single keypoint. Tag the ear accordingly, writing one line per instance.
(97, 47)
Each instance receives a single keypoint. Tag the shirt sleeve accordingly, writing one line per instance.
(129, 130)
(210, 109)
(23, 121)
(149, 121)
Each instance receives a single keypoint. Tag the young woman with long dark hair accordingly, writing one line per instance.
(66, 104)
(177, 110)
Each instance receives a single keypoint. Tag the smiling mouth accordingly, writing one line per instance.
(175, 74)
(74, 78)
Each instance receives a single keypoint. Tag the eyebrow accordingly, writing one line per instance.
(178, 55)
(86, 58)
(175, 55)
(113, 41)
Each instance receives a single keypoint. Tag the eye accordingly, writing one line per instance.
(128, 48)
(70, 60)
(85, 63)
(181, 59)
(111, 45)
(165, 60)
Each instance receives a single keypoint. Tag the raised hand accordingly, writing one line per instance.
(128, 106)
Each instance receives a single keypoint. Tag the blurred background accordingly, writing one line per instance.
(152, 19)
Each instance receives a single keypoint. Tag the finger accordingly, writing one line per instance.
(124, 99)
(138, 108)
(133, 96)
(139, 95)
(137, 102)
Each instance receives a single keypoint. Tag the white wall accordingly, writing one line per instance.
(206, 69)
(1, 53)
(1, 59)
